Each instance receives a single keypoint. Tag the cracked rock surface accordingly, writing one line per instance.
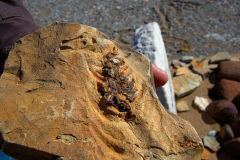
(69, 92)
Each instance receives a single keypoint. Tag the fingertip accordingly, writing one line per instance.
(160, 76)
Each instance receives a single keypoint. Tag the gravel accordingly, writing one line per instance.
(204, 26)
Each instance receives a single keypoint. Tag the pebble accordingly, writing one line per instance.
(185, 84)
(187, 59)
(201, 68)
(182, 106)
(226, 132)
(221, 56)
(201, 103)
(177, 63)
(212, 133)
(211, 143)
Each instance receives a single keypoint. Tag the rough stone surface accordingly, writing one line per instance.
(226, 89)
(61, 79)
(221, 56)
(185, 84)
(206, 155)
(182, 106)
(223, 111)
(229, 70)
(201, 103)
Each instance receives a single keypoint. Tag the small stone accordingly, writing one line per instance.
(232, 147)
(221, 56)
(182, 70)
(182, 106)
(206, 155)
(226, 132)
(201, 103)
(201, 58)
(177, 63)
(186, 83)
(223, 111)
(212, 133)
(187, 59)
(211, 143)
(201, 68)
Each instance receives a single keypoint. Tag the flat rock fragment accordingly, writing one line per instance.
(185, 84)
(182, 106)
(77, 95)
(201, 103)
(221, 56)
(211, 143)
(182, 71)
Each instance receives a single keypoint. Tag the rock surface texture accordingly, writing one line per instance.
(68, 91)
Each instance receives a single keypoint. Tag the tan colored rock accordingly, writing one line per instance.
(182, 106)
(220, 56)
(60, 93)
(182, 71)
(185, 84)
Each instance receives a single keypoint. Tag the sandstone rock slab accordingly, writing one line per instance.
(69, 92)
(186, 83)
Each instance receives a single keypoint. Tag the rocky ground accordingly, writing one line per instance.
(190, 27)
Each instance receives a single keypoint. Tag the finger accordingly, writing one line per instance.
(160, 77)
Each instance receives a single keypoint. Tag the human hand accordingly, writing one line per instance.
(160, 77)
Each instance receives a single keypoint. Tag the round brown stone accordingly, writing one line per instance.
(223, 111)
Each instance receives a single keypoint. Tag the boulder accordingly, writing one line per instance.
(236, 128)
(236, 101)
(232, 147)
(229, 70)
(223, 111)
(68, 92)
(226, 89)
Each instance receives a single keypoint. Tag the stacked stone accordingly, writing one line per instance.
(225, 109)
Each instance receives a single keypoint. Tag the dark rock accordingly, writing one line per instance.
(229, 70)
(236, 128)
(226, 132)
(223, 111)
(236, 101)
(225, 89)
(232, 147)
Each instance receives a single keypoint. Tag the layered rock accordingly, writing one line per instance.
(68, 91)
